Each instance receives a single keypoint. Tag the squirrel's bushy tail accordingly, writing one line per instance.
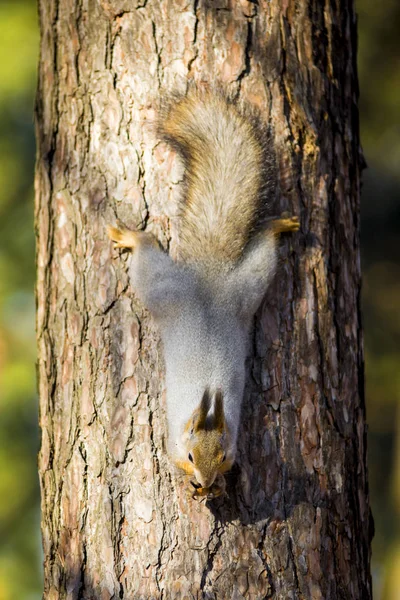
(223, 158)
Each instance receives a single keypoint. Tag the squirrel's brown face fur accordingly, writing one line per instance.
(208, 455)
(208, 440)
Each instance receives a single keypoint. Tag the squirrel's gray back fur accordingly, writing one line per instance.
(223, 155)
(204, 323)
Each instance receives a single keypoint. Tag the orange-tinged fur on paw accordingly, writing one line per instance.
(122, 238)
(125, 238)
(286, 223)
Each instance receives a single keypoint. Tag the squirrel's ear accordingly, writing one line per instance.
(219, 417)
(203, 410)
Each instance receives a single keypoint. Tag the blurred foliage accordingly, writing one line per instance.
(379, 74)
(20, 544)
(379, 68)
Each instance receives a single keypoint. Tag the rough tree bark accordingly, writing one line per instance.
(116, 523)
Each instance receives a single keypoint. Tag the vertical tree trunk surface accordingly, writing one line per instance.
(117, 523)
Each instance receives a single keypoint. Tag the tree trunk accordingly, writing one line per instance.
(117, 522)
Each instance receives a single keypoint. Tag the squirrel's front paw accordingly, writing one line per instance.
(217, 489)
(196, 491)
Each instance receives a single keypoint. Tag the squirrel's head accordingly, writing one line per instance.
(207, 439)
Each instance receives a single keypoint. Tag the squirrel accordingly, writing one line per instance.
(204, 301)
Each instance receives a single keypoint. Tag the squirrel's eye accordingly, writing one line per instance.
(224, 457)
(190, 457)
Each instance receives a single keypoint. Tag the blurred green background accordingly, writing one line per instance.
(379, 73)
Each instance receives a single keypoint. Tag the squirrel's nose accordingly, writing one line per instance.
(206, 482)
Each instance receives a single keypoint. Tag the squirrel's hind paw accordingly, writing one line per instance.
(122, 238)
(286, 223)
(125, 238)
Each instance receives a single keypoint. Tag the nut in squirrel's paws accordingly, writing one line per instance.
(217, 489)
